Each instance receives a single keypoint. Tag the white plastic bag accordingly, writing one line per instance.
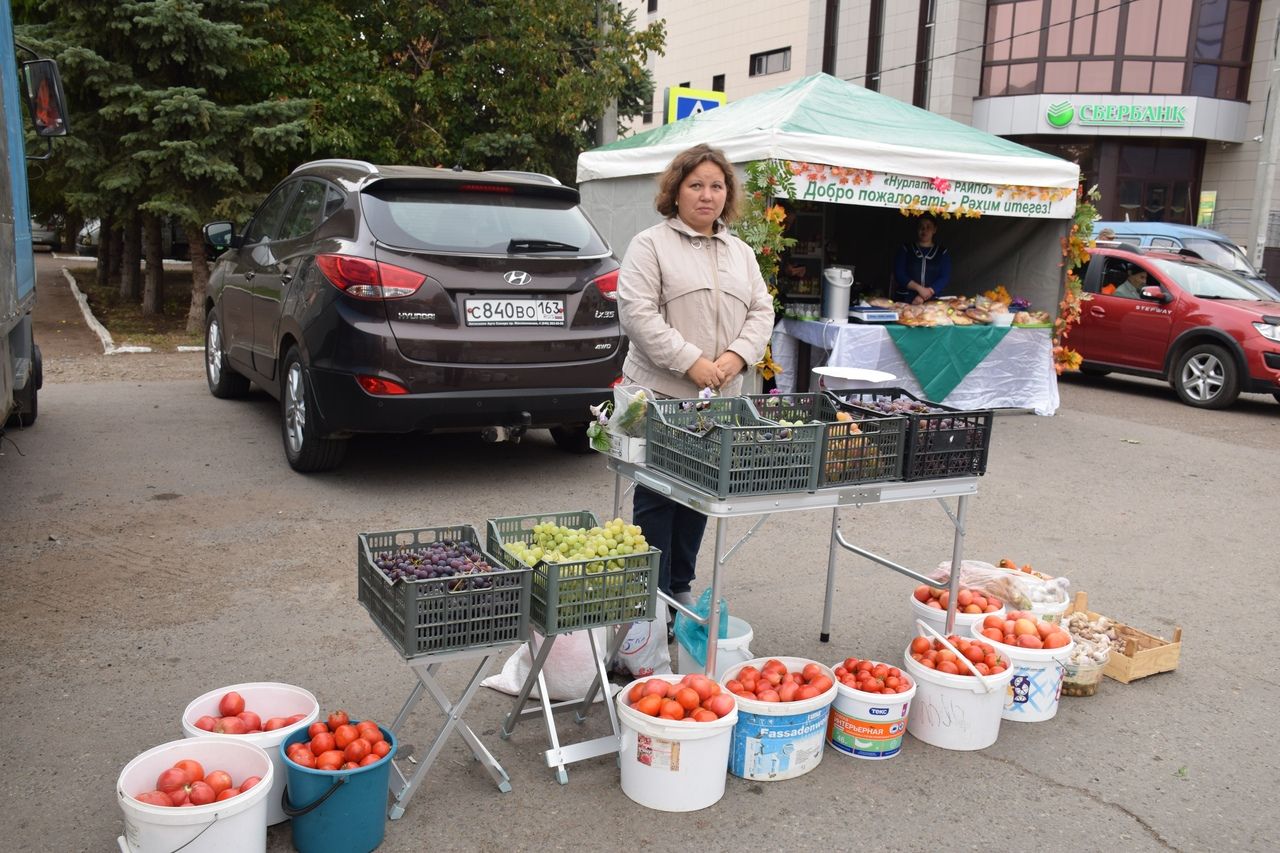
(569, 669)
(644, 652)
(629, 404)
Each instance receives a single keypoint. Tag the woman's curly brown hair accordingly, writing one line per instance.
(680, 167)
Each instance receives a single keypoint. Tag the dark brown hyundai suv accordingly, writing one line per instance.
(395, 298)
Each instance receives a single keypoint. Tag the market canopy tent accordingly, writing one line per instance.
(854, 147)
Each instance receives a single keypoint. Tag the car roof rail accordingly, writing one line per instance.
(340, 161)
(535, 176)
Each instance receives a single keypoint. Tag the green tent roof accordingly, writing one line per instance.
(822, 119)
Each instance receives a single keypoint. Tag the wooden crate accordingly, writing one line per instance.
(1144, 654)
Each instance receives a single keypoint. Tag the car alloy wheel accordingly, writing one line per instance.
(1207, 377)
(303, 448)
(223, 380)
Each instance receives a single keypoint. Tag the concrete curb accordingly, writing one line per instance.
(108, 345)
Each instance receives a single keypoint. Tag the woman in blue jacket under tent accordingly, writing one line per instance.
(922, 269)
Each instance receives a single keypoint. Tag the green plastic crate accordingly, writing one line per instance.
(941, 444)
(741, 453)
(580, 593)
(423, 617)
(865, 450)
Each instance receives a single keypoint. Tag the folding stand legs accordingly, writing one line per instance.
(402, 787)
(558, 756)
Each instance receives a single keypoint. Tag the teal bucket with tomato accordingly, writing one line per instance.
(336, 811)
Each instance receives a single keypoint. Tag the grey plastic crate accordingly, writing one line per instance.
(442, 614)
(739, 454)
(580, 593)
(865, 450)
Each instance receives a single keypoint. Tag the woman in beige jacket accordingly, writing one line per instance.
(696, 312)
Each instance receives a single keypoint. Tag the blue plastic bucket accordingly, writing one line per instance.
(342, 811)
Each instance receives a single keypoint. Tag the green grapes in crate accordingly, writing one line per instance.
(580, 554)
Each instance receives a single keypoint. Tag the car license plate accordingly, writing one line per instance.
(514, 312)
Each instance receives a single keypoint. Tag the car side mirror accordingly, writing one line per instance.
(1155, 293)
(221, 236)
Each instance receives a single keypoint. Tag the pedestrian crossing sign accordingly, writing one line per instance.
(683, 102)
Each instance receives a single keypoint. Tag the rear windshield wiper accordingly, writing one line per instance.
(519, 244)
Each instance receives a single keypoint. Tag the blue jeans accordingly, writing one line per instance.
(674, 530)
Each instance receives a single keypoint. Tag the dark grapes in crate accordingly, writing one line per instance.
(441, 559)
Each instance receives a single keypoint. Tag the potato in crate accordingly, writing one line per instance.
(856, 447)
(941, 441)
(584, 574)
(434, 589)
(722, 446)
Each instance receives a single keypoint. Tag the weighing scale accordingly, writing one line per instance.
(871, 314)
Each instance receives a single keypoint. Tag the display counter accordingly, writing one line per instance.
(979, 367)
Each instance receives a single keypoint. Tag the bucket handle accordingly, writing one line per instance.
(293, 811)
(981, 678)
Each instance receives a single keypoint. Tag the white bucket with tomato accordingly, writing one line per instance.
(780, 732)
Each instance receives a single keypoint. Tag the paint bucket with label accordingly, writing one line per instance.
(959, 712)
(1036, 684)
(774, 741)
(868, 725)
(672, 765)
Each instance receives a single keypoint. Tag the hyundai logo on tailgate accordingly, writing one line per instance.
(519, 278)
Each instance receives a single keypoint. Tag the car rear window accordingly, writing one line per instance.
(1208, 282)
(479, 222)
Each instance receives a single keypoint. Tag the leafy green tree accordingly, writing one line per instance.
(517, 84)
(178, 114)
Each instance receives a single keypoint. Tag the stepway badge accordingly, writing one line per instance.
(682, 102)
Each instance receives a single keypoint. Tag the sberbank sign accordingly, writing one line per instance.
(1063, 113)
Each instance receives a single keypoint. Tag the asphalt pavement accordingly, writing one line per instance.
(156, 546)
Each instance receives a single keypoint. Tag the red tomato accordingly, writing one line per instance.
(369, 759)
(369, 731)
(787, 692)
(249, 783)
(180, 797)
(1057, 640)
(357, 749)
(303, 758)
(702, 715)
(173, 779)
(329, 760)
(338, 718)
(809, 691)
(671, 708)
(350, 765)
(296, 718)
(227, 794)
(206, 722)
(322, 743)
(649, 704)
(344, 734)
(1030, 641)
(655, 687)
(768, 696)
(231, 704)
(192, 768)
(381, 747)
(822, 684)
(154, 798)
(733, 686)
(231, 726)
(636, 691)
(920, 645)
(218, 780)
(202, 794)
(948, 667)
(922, 593)
(274, 723)
(317, 728)
(703, 686)
(252, 720)
(688, 698)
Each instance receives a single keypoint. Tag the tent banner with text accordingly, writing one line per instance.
(953, 199)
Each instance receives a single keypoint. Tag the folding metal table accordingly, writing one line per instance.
(834, 498)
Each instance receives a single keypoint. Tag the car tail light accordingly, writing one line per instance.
(607, 284)
(486, 188)
(367, 279)
(380, 387)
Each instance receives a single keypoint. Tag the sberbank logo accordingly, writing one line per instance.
(1060, 114)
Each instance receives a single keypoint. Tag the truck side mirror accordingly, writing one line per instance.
(43, 88)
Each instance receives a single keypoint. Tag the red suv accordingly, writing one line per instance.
(1207, 332)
